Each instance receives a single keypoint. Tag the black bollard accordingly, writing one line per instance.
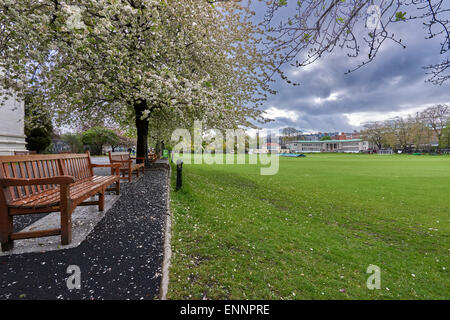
(179, 174)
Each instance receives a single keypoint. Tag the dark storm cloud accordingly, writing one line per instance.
(329, 100)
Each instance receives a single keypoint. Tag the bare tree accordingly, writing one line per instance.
(437, 25)
(289, 132)
(436, 118)
(444, 142)
(439, 72)
(375, 132)
(414, 131)
(421, 134)
(300, 32)
(402, 130)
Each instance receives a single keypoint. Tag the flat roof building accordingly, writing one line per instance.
(349, 146)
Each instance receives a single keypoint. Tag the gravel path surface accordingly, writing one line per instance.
(120, 259)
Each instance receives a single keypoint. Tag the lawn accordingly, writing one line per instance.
(311, 231)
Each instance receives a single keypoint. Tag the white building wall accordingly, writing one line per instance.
(338, 146)
(12, 137)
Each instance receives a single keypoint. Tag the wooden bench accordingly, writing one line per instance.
(127, 166)
(31, 184)
(153, 157)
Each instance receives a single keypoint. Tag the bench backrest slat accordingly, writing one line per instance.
(20, 191)
(24, 174)
(6, 172)
(118, 156)
(77, 167)
(41, 166)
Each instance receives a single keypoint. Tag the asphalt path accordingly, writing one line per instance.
(120, 259)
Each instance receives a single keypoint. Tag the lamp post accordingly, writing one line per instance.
(179, 174)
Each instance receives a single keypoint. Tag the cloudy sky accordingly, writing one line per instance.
(392, 85)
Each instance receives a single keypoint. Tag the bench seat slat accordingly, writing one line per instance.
(89, 185)
(43, 197)
(50, 197)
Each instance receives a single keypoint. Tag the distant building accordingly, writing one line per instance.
(272, 147)
(354, 135)
(59, 145)
(349, 146)
(312, 137)
(12, 136)
(346, 136)
(340, 136)
(269, 147)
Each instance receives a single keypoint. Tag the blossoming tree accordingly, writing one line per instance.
(127, 58)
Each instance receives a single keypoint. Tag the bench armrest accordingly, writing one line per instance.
(113, 166)
(9, 182)
(126, 161)
(106, 165)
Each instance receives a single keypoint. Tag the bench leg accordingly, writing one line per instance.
(118, 187)
(66, 216)
(101, 201)
(7, 245)
(130, 175)
(6, 228)
(66, 226)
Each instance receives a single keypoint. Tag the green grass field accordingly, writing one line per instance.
(311, 231)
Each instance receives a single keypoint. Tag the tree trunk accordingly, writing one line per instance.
(439, 141)
(142, 131)
(157, 147)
